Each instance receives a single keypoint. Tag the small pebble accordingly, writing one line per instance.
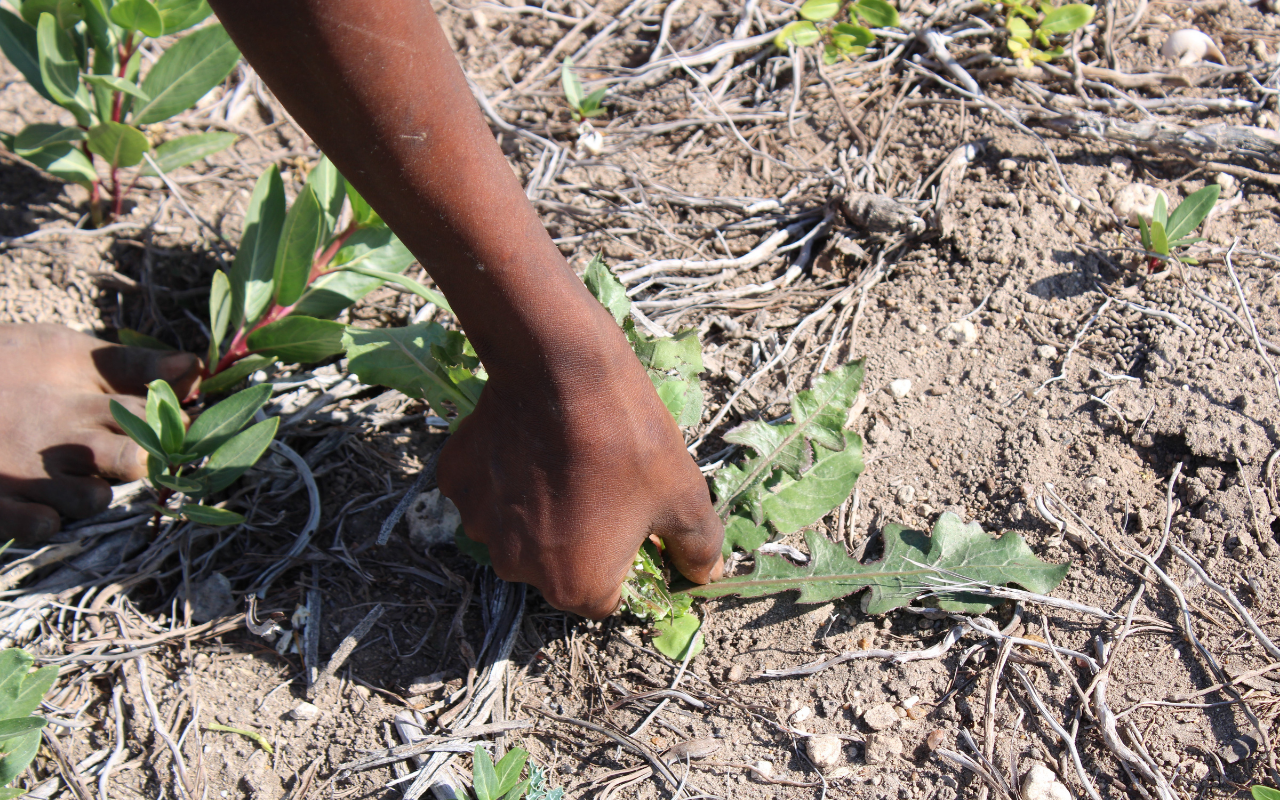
(736, 673)
(1007, 165)
(935, 738)
(1039, 783)
(803, 714)
(900, 388)
(963, 331)
(880, 717)
(906, 494)
(1047, 351)
(304, 712)
(826, 751)
(765, 768)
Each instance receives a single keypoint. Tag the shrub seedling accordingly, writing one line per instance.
(21, 691)
(215, 438)
(839, 39)
(583, 107)
(296, 270)
(1026, 41)
(501, 781)
(1170, 230)
(85, 55)
(1264, 793)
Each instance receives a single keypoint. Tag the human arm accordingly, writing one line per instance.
(570, 459)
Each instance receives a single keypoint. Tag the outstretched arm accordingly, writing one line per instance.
(570, 459)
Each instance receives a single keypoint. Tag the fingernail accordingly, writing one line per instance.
(141, 456)
(174, 366)
(717, 572)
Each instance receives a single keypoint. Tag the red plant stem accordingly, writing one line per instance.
(126, 52)
(240, 342)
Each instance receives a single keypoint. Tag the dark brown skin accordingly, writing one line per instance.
(570, 460)
(58, 441)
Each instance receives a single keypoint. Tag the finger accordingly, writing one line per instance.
(71, 496)
(695, 550)
(594, 605)
(112, 456)
(128, 370)
(26, 523)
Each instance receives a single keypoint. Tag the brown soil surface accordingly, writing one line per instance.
(1050, 389)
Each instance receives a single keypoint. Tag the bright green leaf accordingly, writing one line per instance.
(508, 769)
(253, 273)
(186, 72)
(1019, 29)
(60, 68)
(1264, 793)
(819, 10)
(375, 251)
(606, 288)
(218, 424)
(742, 533)
(408, 359)
(914, 563)
(18, 753)
(1160, 209)
(1066, 19)
(298, 340)
(1192, 211)
(119, 144)
(220, 302)
(300, 238)
(18, 42)
(43, 134)
(65, 162)
(1159, 241)
(430, 295)
(331, 192)
(361, 211)
(21, 690)
(235, 373)
(877, 13)
(167, 410)
(115, 84)
(137, 15)
(66, 12)
(677, 636)
(801, 34)
(189, 149)
(856, 33)
(178, 15)
(591, 103)
(570, 84)
(237, 455)
(483, 776)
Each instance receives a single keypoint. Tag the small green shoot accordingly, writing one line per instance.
(258, 738)
(1168, 231)
(582, 106)
(499, 781)
(21, 691)
(840, 39)
(1032, 27)
(1264, 793)
(218, 438)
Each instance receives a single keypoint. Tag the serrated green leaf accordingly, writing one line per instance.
(300, 340)
(914, 563)
(484, 778)
(137, 15)
(801, 34)
(220, 304)
(1065, 19)
(877, 13)
(18, 42)
(815, 432)
(186, 72)
(1192, 211)
(743, 534)
(236, 456)
(406, 359)
(253, 272)
(676, 636)
(137, 430)
(371, 250)
(216, 426)
(119, 145)
(235, 373)
(605, 287)
(300, 238)
(819, 10)
(208, 515)
(186, 150)
(673, 364)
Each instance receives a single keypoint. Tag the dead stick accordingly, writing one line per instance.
(345, 649)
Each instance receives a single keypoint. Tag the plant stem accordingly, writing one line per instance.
(126, 53)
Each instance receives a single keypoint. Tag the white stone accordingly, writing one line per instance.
(1039, 783)
(1120, 164)
(900, 388)
(765, 768)
(304, 712)
(963, 331)
(1190, 46)
(881, 748)
(1073, 205)
(802, 714)
(880, 717)
(1227, 182)
(1047, 351)
(433, 519)
(906, 494)
(1135, 201)
(826, 751)
(1007, 165)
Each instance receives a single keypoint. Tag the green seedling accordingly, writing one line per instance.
(501, 781)
(258, 738)
(204, 459)
(1264, 793)
(538, 789)
(296, 270)
(1032, 27)
(840, 39)
(582, 106)
(86, 56)
(21, 691)
(1169, 231)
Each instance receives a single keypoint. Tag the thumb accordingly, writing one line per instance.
(695, 551)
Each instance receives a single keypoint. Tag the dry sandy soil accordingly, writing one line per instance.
(1074, 370)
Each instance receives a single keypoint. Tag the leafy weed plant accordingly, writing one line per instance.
(582, 106)
(840, 39)
(21, 691)
(207, 458)
(501, 781)
(86, 56)
(1032, 27)
(1169, 231)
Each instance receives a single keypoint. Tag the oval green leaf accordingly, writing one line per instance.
(1192, 211)
(18, 42)
(65, 162)
(877, 13)
(819, 10)
(800, 34)
(178, 15)
(186, 150)
(208, 515)
(137, 15)
(856, 33)
(186, 72)
(300, 238)
(216, 426)
(252, 274)
(119, 144)
(1065, 19)
(43, 134)
(299, 339)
